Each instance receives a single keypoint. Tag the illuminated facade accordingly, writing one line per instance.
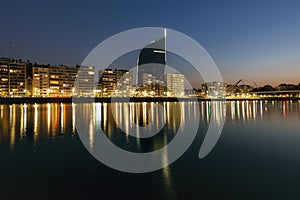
(40, 81)
(107, 82)
(20, 79)
(4, 76)
(85, 81)
(16, 78)
(124, 83)
(151, 86)
(216, 89)
(175, 84)
(62, 80)
(115, 82)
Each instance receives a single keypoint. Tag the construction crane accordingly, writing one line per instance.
(229, 89)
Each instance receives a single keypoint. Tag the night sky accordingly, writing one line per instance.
(252, 40)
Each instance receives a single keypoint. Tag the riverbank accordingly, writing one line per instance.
(30, 100)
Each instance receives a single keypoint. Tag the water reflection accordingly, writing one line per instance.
(35, 123)
(49, 120)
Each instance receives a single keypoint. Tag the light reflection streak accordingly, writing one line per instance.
(35, 128)
(62, 107)
(152, 111)
(194, 109)
(284, 109)
(167, 172)
(137, 127)
(254, 105)
(13, 126)
(261, 109)
(74, 118)
(243, 111)
(168, 111)
(207, 111)
(22, 122)
(45, 118)
(120, 106)
(91, 134)
(25, 118)
(1, 108)
(157, 115)
(98, 116)
(165, 112)
(238, 110)
(144, 111)
(105, 116)
(126, 119)
(232, 110)
(48, 117)
(202, 110)
(182, 118)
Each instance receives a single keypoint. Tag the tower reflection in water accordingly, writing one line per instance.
(22, 124)
(49, 121)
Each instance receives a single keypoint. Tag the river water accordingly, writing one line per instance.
(257, 154)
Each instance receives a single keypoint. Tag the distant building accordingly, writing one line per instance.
(286, 87)
(216, 89)
(190, 92)
(204, 90)
(245, 89)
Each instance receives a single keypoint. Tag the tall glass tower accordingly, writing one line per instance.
(152, 60)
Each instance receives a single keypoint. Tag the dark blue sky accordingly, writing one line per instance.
(254, 40)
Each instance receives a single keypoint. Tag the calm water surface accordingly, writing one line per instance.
(257, 155)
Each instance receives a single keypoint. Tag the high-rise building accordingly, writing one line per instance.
(40, 81)
(152, 60)
(175, 84)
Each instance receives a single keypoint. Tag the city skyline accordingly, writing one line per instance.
(127, 66)
(251, 40)
(24, 79)
(150, 99)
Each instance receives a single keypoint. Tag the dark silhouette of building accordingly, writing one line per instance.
(152, 60)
